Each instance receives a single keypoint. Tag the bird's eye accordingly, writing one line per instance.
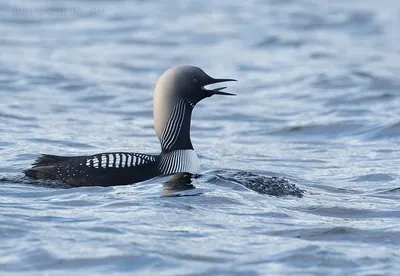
(195, 81)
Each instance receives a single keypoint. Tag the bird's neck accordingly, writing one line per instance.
(178, 161)
(176, 132)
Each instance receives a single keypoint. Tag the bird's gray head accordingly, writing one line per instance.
(177, 91)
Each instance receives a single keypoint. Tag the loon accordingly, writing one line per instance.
(177, 92)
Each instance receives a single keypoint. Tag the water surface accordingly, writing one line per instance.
(318, 104)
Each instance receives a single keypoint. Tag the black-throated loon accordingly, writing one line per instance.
(176, 93)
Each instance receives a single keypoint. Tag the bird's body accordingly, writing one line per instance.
(96, 170)
(112, 168)
(178, 90)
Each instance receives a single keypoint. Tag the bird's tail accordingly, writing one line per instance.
(44, 172)
(44, 166)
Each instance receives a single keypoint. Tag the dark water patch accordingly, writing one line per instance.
(311, 256)
(395, 190)
(72, 203)
(392, 193)
(324, 81)
(350, 213)
(362, 23)
(27, 259)
(20, 20)
(265, 215)
(6, 144)
(102, 264)
(307, 20)
(391, 131)
(350, 111)
(15, 87)
(200, 258)
(117, 18)
(8, 75)
(60, 109)
(379, 83)
(277, 2)
(255, 68)
(97, 98)
(11, 232)
(320, 55)
(130, 115)
(210, 38)
(49, 219)
(331, 130)
(121, 204)
(17, 117)
(45, 79)
(104, 229)
(375, 177)
(275, 186)
(273, 41)
(342, 234)
(318, 189)
(149, 42)
(367, 99)
(78, 86)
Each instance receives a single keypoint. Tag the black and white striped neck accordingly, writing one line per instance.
(176, 132)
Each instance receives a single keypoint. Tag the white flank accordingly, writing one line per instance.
(129, 161)
(117, 159)
(104, 161)
(95, 162)
(111, 160)
(123, 162)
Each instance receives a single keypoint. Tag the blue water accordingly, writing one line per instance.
(318, 104)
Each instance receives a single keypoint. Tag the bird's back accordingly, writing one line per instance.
(104, 169)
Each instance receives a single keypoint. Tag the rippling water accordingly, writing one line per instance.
(318, 104)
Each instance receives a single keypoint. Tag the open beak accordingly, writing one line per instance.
(217, 91)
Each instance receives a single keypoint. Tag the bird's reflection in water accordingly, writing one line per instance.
(179, 183)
